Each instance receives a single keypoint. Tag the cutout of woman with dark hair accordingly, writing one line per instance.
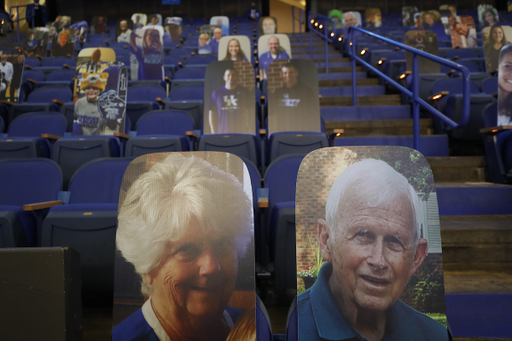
(150, 56)
(489, 17)
(234, 51)
(492, 48)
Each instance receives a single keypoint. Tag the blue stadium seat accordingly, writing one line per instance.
(73, 152)
(263, 324)
(242, 145)
(25, 135)
(200, 60)
(25, 181)
(188, 98)
(490, 86)
(280, 179)
(295, 143)
(41, 99)
(88, 221)
(188, 76)
(58, 62)
(142, 99)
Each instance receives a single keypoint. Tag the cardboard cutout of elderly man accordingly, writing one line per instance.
(372, 245)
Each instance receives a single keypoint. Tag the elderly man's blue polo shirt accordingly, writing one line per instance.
(321, 319)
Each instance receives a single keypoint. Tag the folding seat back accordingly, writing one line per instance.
(471, 66)
(35, 124)
(200, 60)
(461, 54)
(145, 93)
(292, 322)
(471, 131)
(25, 181)
(295, 143)
(490, 86)
(73, 152)
(47, 94)
(426, 81)
(32, 62)
(58, 62)
(263, 324)
(89, 223)
(188, 76)
(61, 76)
(98, 181)
(242, 145)
(453, 86)
(188, 98)
(35, 75)
(165, 122)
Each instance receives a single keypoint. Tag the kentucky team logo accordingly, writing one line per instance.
(287, 102)
(230, 102)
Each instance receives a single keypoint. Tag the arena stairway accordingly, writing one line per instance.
(475, 216)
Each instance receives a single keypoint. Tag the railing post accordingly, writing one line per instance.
(415, 103)
(326, 49)
(310, 37)
(351, 49)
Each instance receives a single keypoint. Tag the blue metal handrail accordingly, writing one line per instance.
(18, 19)
(319, 25)
(416, 100)
(300, 19)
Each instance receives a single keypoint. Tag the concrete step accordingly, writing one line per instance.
(334, 91)
(473, 198)
(477, 238)
(477, 277)
(361, 100)
(360, 113)
(430, 145)
(348, 82)
(340, 75)
(458, 168)
(400, 127)
(331, 64)
(339, 69)
(315, 53)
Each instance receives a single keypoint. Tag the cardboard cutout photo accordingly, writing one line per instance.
(267, 25)
(425, 41)
(222, 22)
(52, 34)
(452, 8)
(63, 45)
(495, 38)
(147, 56)
(504, 87)
(337, 15)
(185, 249)
(463, 31)
(373, 18)
(205, 42)
(408, 13)
(352, 18)
(293, 96)
(93, 55)
(139, 20)
(158, 19)
(155, 25)
(270, 48)
(124, 29)
(11, 73)
(368, 236)
(235, 48)
(229, 98)
(431, 20)
(173, 26)
(488, 16)
(99, 25)
(101, 106)
(446, 15)
(36, 43)
(61, 22)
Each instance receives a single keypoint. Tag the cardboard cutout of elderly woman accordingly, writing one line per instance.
(186, 226)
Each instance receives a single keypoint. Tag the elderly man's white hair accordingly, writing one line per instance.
(377, 182)
(161, 203)
(349, 12)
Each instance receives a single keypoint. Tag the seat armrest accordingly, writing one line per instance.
(41, 205)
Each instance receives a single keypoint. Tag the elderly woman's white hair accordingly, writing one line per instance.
(376, 181)
(160, 204)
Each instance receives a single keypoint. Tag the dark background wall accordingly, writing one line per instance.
(115, 9)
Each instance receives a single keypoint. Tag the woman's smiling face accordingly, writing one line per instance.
(505, 73)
